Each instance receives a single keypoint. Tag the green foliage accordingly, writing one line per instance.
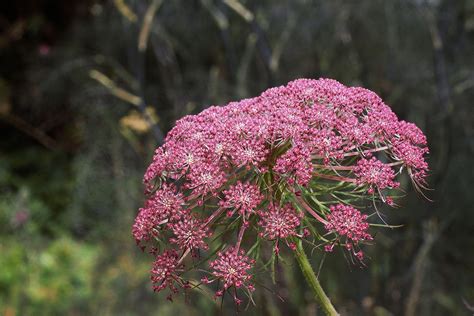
(51, 280)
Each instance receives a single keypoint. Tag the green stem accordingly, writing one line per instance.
(313, 281)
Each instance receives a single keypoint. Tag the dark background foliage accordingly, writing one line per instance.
(88, 89)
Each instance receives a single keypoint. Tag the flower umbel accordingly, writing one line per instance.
(243, 198)
(279, 222)
(232, 268)
(284, 166)
(189, 233)
(374, 173)
(166, 269)
(348, 222)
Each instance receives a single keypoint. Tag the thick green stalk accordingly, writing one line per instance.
(313, 281)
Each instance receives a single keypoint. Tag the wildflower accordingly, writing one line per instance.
(189, 233)
(409, 131)
(205, 179)
(243, 198)
(309, 142)
(164, 273)
(412, 157)
(374, 173)
(347, 221)
(249, 152)
(296, 162)
(232, 267)
(279, 222)
(166, 202)
(163, 206)
(143, 225)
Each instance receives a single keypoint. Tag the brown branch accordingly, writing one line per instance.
(146, 25)
(240, 9)
(114, 89)
(125, 10)
(32, 131)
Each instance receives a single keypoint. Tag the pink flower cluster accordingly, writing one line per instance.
(162, 206)
(344, 220)
(279, 222)
(243, 198)
(374, 173)
(189, 233)
(296, 165)
(164, 272)
(257, 164)
(232, 267)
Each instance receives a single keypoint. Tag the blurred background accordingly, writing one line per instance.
(88, 88)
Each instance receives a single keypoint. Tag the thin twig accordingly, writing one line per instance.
(30, 130)
(146, 25)
(240, 9)
(125, 10)
(114, 89)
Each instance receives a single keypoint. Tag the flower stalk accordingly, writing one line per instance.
(313, 281)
